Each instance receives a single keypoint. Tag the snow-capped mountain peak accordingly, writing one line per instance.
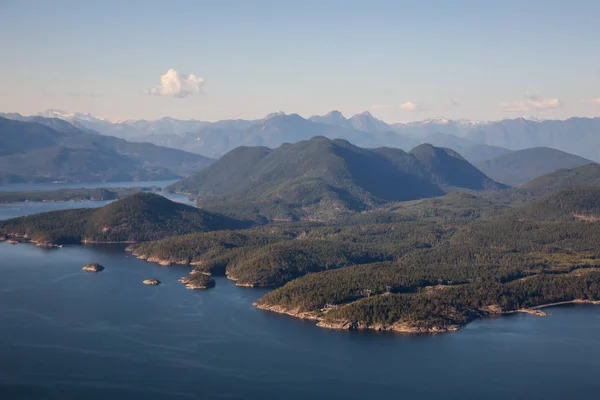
(67, 116)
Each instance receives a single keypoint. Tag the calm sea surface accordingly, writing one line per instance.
(67, 334)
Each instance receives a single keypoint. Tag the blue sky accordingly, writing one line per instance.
(402, 60)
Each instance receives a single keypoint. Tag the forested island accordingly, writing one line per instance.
(72, 194)
(426, 264)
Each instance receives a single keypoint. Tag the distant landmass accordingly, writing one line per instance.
(522, 166)
(47, 150)
(321, 178)
(214, 139)
(574, 135)
(62, 195)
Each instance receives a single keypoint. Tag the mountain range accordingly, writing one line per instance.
(475, 140)
(49, 149)
(320, 178)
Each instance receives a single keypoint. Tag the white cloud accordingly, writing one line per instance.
(411, 106)
(532, 103)
(594, 101)
(543, 103)
(177, 84)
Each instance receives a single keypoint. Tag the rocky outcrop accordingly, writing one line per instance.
(197, 281)
(586, 217)
(47, 245)
(238, 283)
(157, 260)
(151, 281)
(402, 327)
(310, 315)
(93, 268)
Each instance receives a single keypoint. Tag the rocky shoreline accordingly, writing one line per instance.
(405, 327)
(15, 239)
(93, 268)
(197, 280)
(400, 327)
(168, 263)
(156, 260)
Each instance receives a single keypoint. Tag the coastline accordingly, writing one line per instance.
(412, 328)
(167, 263)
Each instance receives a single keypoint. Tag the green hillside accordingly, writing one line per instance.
(322, 178)
(522, 166)
(139, 217)
(587, 175)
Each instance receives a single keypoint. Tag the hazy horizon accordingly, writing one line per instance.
(437, 119)
(402, 61)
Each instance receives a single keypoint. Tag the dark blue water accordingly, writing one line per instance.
(67, 334)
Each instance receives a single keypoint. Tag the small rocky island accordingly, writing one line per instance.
(197, 281)
(93, 267)
(152, 281)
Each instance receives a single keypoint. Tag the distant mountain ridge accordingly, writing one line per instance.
(213, 139)
(522, 166)
(579, 136)
(46, 150)
(320, 177)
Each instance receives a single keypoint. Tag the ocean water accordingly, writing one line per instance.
(68, 334)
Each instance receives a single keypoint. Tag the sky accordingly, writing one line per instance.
(229, 59)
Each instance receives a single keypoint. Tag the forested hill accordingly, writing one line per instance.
(587, 175)
(571, 204)
(522, 166)
(140, 217)
(320, 177)
(421, 266)
(54, 150)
